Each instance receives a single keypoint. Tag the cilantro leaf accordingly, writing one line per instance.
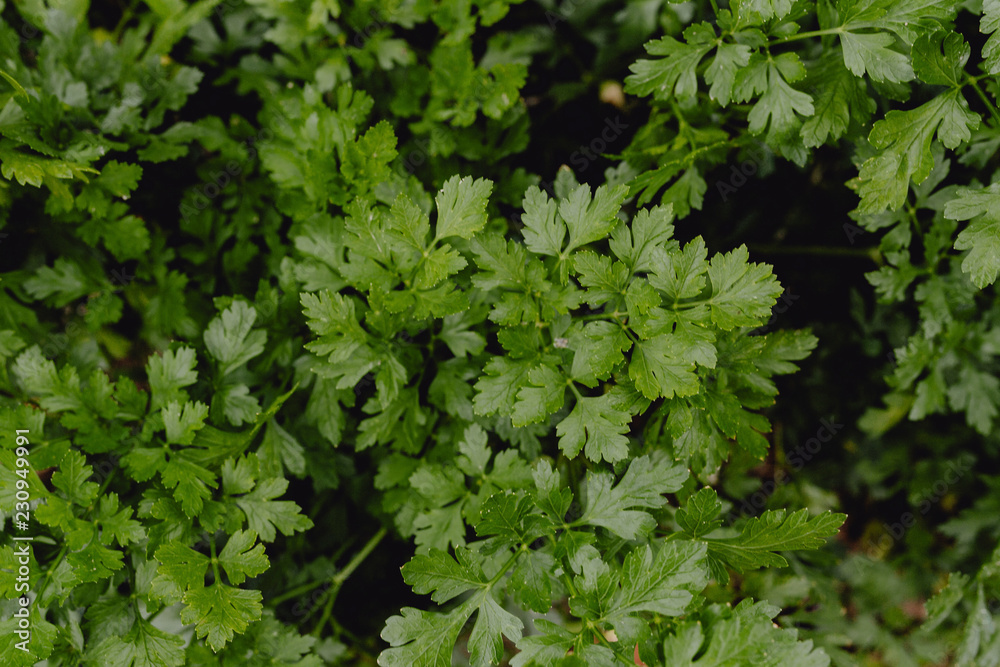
(661, 584)
(699, 515)
(169, 373)
(230, 337)
(241, 559)
(773, 531)
(904, 140)
(671, 76)
(599, 423)
(142, 646)
(988, 24)
(264, 514)
(642, 485)
(662, 366)
(461, 205)
(744, 635)
(982, 237)
(869, 53)
(742, 292)
(218, 611)
(422, 639)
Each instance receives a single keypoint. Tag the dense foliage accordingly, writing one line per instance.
(430, 332)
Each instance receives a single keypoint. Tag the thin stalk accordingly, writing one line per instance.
(338, 579)
(62, 552)
(308, 586)
(215, 560)
(804, 35)
(974, 82)
(819, 251)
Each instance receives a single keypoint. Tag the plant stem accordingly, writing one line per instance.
(62, 552)
(215, 559)
(974, 82)
(309, 585)
(820, 251)
(805, 35)
(338, 579)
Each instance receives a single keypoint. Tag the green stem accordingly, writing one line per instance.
(127, 14)
(215, 560)
(819, 251)
(298, 590)
(974, 81)
(506, 566)
(805, 35)
(604, 640)
(308, 586)
(62, 552)
(338, 579)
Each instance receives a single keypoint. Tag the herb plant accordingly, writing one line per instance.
(315, 351)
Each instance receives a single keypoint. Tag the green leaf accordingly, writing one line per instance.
(219, 611)
(486, 645)
(169, 373)
(544, 396)
(181, 568)
(699, 515)
(662, 366)
(758, 11)
(869, 53)
(662, 584)
(982, 237)
(191, 483)
(590, 220)
(230, 338)
(118, 525)
(94, 562)
(744, 635)
(442, 576)
(742, 292)
(543, 231)
(939, 58)
(988, 25)
(774, 531)
(71, 479)
(841, 100)
(978, 394)
(241, 559)
(599, 423)
(498, 387)
(721, 73)
(65, 281)
(597, 351)
(904, 140)
(650, 231)
(182, 423)
(422, 639)
(142, 646)
(642, 485)
(671, 76)
(265, 514)
(461, 206)
(680, 275)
